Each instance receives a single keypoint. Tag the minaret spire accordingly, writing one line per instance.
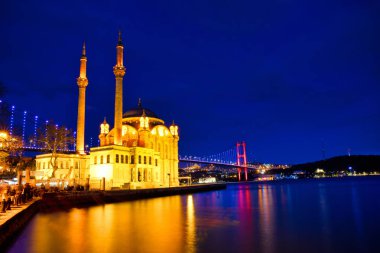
(82, 82)
(84, 49)
(119, 71)
(119, 42)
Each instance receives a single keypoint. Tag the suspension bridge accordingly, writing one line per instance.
(235, 157)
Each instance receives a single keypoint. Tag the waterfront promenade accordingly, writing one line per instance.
(9, 214)
(12, 221)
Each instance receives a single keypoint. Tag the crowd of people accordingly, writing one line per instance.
(17, 195)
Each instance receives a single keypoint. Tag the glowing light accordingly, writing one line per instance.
(3, 135)
(161, 131)
(102, 170)
(23, 127)
(124, 130)
(104, 128)
(35, 131)
(75, 139)
(174, 130)
(12, 119)
(144, 122)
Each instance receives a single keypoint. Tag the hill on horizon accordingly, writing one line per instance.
(358, 163)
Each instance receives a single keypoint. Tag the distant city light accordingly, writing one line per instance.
(35, 130)
(12, 120)
(23, 126)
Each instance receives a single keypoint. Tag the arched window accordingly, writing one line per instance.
(139, 176)
(126, 159)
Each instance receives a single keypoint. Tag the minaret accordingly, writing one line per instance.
(82, 82)
(119, 71)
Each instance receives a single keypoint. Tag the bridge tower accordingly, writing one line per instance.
(241, 158)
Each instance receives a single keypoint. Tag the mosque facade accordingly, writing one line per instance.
(140, 151)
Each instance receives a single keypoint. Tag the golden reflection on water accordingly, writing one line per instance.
(191, 229)
(154, 225)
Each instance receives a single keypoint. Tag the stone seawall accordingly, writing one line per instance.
(65, 200)
(16, 223)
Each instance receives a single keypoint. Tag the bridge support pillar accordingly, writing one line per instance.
(241, 159)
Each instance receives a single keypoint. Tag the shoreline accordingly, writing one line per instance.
(15, 220)
(53, 201)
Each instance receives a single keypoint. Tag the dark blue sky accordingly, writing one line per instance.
(288, 77)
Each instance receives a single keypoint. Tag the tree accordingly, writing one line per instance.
(10, 146)
(56, 139)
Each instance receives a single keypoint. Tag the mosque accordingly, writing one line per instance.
(140, 151)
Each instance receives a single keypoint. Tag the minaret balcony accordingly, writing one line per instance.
(119, 71)
(82, 82)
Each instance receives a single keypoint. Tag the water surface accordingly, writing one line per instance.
(324, 215)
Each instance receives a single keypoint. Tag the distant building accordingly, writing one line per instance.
(207, 180)
(139, 152)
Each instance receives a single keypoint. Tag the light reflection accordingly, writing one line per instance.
(255, 217)
(357, 215)
(190, 222)
(76, 220)
(265, 197)
(155, 225)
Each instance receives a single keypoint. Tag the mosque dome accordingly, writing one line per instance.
(131, 115)
(138, 111)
